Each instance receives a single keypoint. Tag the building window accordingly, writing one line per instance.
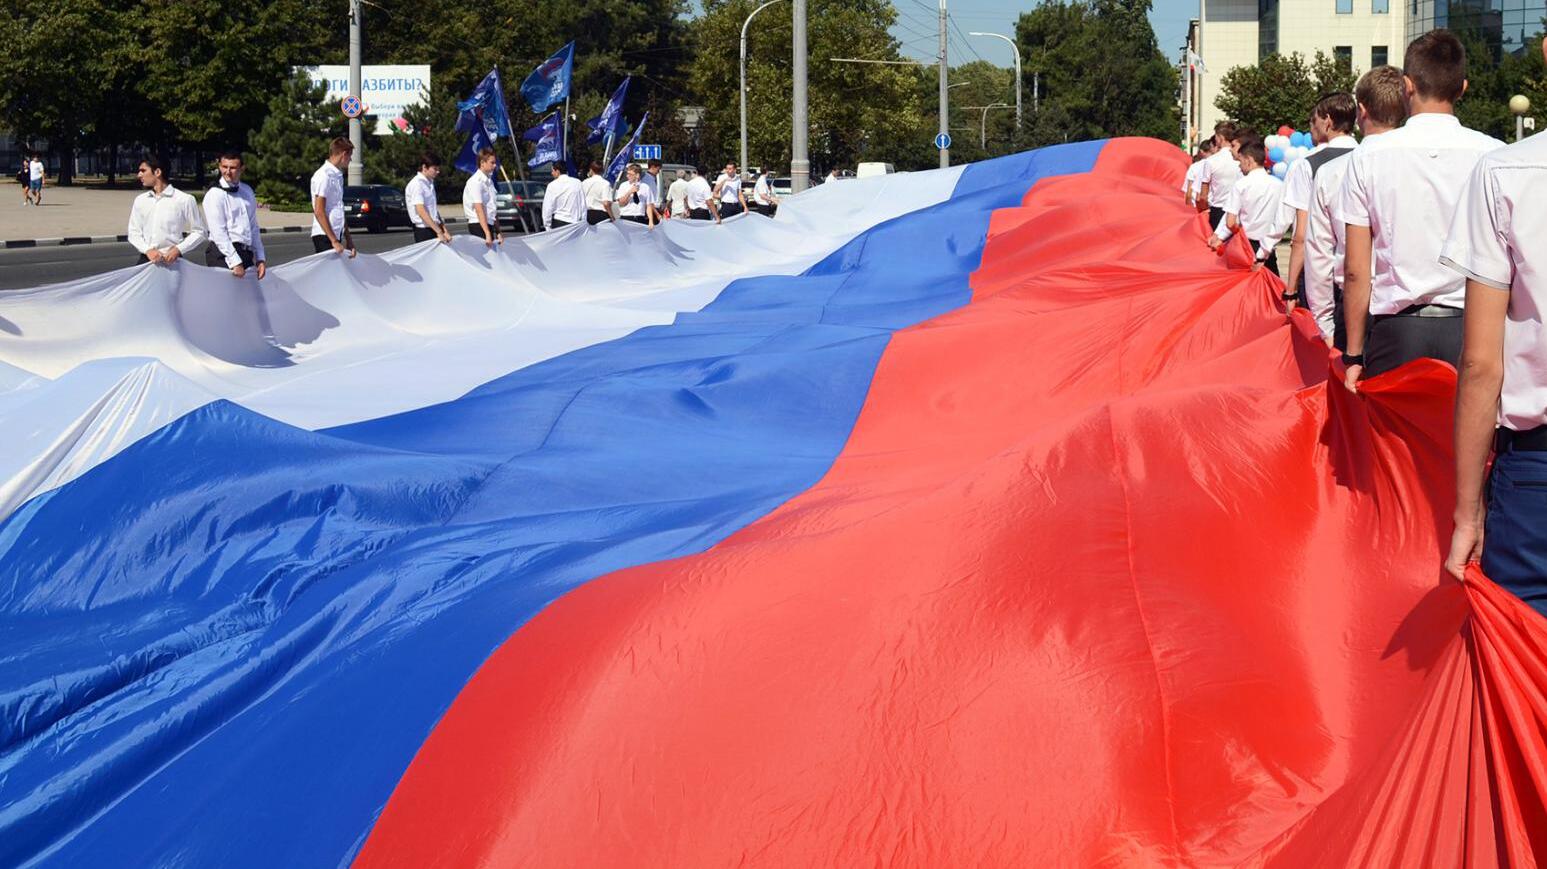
(1380, 7)
(1345, 7)
(1345, 56)
(1378, 56)
(1267, 28)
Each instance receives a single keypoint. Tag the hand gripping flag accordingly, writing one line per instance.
(484, 117)
(547, 135)
(615, 168)
(610, 121)
(549, 82)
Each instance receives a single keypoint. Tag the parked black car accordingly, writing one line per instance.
(375, 207)
(518, 205)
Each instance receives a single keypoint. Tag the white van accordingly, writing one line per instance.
(866, 170)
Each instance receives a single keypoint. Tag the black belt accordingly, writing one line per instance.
(1532, 440)
(1425, 311)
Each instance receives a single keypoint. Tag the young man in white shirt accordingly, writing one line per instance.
(564, 202)
(1332, 127)
(423, 207)
(1219, 174)
(727, 189)
(652, 179)
(1498, 242)
(1192, 181)
(677, 195)
(165, 223)
(36, 178)
(699, 199)
(231, 213)
(1382, 107)
(598, 195)
(1255, 206)
(764, 200)
(480, 201)
(327, 190)
(1412, 176)
(634, 199)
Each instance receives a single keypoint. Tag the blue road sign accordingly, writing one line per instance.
(351, 107)
(943, 141)
(647, 152)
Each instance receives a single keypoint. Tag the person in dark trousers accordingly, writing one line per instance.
(1255, 206)
(598, 195)
(329, 231)
(423, 207)
(1219, 174)
(564, 201)
(699, 198)
(1498, 243)
(165, 223)
(634, 197)
(480, 202)
(231, 213)
(1398, 197)
(1332, 128)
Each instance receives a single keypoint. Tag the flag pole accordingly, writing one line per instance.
(565, 153)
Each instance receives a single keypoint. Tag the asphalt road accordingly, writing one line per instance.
(35, 266)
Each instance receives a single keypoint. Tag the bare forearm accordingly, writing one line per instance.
(1477, 407)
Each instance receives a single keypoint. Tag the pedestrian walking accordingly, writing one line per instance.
(677, 195)
(24, 179)
(634, 198)
(35, 175)
(598, 195)
(764, 200)
(564, 201)
(231, 214)
(699, 199)
(423, 207)
(727, 190)
(1495, 243)
(164, 223)
(1413, 175)
(480, 201)
(328, 229)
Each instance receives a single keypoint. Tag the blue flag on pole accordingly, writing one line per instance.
(615, 168)
(610, 121)
(549, 82)
(483, 116)
(548, 136)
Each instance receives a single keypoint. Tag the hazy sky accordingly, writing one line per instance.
(917, 27)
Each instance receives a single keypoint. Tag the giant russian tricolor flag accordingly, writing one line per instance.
(973, 517)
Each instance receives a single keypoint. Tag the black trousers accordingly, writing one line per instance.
(636, 218)
(475, 229)
(730, 209)
(424, 233)
(765, 210)
(1397, 339)
(320, 243)
(215, 259)
(558, 223)
(1339, 325)
(593, 216)
(1214, 215)
(700, 214)
(1271, 263)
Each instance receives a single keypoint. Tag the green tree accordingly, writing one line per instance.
(292, 143)
(1101, 71)
(1280, 90)
(857, 111)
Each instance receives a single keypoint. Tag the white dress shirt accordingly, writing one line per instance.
(653, 183)
(480, 189)
(1220, 172)
(760, 190)
(169, 220)
(232, 218)
(1257, 203)
(1499, 238)
(637, 201)
(698, 193)
(1324, 235)
(328, 182)
(597, 193)
(564, 201)
(730, 189)
(1191, 182)
(421, 191)
(678, 194)
(1405, 186)
(1297, 180)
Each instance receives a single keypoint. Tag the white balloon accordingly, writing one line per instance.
(1280, 170)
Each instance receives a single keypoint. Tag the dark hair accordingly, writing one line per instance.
(339, 146)
(1436, 65)
(596, 166)
(1381, 94)
(1251, 147)
(230, 155)
(150, 161)
(1339, 108)
(1244, 133)
(557, 166)
(1225, 129)
(429, 159)
(486, 154)
(654, 164)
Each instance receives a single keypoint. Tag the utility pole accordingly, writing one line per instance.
(356, 138)
(945, 97)
(1016, 49)
(800, 162)
(744, 26)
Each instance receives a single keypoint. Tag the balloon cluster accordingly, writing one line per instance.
(1285, 148)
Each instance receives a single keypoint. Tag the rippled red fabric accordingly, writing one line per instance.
(1111, 573)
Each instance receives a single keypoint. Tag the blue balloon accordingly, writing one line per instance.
(1280, 170)
(1276, 155)
(1300, 140)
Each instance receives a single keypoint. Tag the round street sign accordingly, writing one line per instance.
(943, 141)
(352, 107)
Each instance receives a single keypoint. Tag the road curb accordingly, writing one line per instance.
(12, 244)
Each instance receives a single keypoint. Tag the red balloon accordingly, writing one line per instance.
(1286, 130)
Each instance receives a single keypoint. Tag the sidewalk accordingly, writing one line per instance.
(83, 212)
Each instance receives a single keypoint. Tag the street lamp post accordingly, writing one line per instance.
(356, 136)
(744, 26)
(1016, 50)
(800, 158)
(1519, 105)
(983, 125)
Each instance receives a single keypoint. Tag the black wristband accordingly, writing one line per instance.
(1351, 359)
(1289, 297)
